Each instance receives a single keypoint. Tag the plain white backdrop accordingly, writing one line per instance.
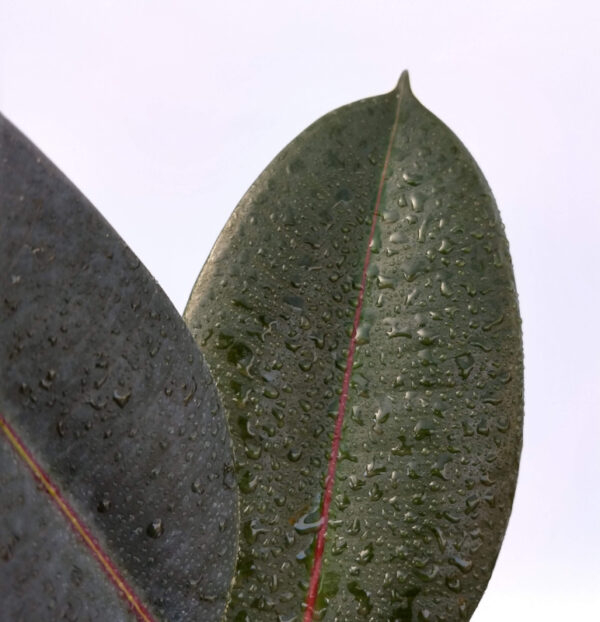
(163, 113)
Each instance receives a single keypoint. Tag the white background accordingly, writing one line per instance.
(163, 113)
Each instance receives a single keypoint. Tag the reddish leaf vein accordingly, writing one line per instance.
(115, 576)
(337, 435)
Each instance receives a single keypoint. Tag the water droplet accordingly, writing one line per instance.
(271, 393)
(251, 529)
(46, 382)
(248, 483)
(310, 522)
(354, 527)
(362, 333)
(366, 554)
(386, 282)
(464, 565)
(339, 545)
(362, 597)
(453, 582)
(156, 528)
(412, 178)
(376, 241)
(104, 505)
(445, 289)
(121, 397)
(294, 454)
(465, 364)
(252, 450)
(423, 428)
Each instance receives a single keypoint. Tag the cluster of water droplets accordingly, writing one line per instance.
(426, 463)
(435, 400)
(273, 313)
(105, 387)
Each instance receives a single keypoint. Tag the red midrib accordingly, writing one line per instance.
(315, 575)
(76, 523)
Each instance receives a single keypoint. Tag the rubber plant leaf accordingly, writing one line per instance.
(360, 316)
(118, 493)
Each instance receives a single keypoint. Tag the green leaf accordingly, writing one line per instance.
(360, 316)
(118, 493)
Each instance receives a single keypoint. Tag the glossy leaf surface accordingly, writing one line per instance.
(111, 431)
(364, 284)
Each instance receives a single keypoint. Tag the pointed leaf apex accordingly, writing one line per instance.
(403, 86)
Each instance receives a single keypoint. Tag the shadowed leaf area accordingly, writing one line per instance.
(391, 277)
(103, 393)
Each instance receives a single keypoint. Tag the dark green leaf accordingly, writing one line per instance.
(395, 268)
(104, 393)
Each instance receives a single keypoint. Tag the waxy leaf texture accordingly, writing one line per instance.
(360, 317)
(118, 493)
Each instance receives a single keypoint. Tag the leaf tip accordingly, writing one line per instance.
(403, 86)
